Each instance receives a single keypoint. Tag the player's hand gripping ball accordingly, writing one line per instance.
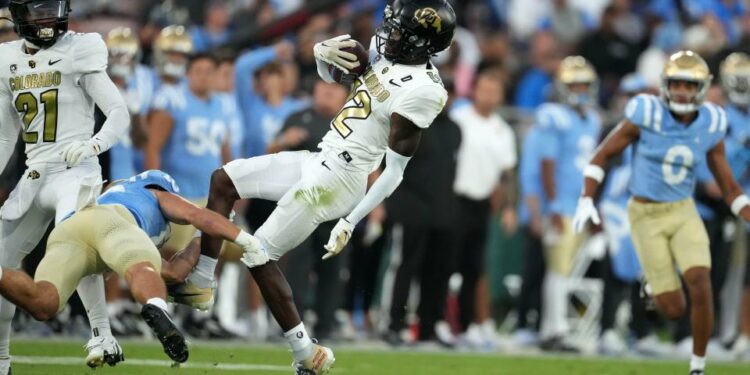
(347, 58)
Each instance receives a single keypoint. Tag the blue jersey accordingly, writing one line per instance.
(667, 152)
(199, 129)
(530, 174)
(569, 140)
(235, 129)
(737, 145)
(133, 194)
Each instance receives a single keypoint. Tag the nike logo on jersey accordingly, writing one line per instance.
(394, 83)
(323, 163)
(54, 62)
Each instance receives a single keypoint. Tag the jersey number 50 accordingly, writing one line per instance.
(358, 107)
(27, 104)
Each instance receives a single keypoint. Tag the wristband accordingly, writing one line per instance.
(594, 172)
(739, 203)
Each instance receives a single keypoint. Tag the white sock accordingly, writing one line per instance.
(697, 363)
(7, 310)
(300, 342)
(554, 309)
(158, 302)
(91, 291)
(204, 271)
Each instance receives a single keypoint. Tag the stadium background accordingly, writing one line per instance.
(523, 41)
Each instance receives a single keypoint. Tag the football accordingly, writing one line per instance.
(362, 55)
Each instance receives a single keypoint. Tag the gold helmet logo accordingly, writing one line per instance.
(575, 69)
(174, 39)
(688, 66)
(428, 17)
(122, 41)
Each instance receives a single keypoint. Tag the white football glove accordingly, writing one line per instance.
(77, 151)
(585, 211)
(254, 254)
(329, 51)
(340, 236)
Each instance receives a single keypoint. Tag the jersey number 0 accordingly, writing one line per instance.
(27, 104)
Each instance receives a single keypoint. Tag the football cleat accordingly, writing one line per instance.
(320, 362)
(189, 294)
(103, 350)
(166, 332)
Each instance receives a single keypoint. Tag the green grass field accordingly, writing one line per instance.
(51, 357)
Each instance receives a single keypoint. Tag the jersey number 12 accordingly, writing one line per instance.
(27, 104)
(358, 107)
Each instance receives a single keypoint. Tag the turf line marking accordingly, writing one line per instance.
(77, 361)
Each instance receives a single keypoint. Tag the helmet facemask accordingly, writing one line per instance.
(40, 22)
(737, 88)
(692, 104)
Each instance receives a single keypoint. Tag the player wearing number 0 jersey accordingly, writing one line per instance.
(671, 134)
(390, 104)
(50, 81)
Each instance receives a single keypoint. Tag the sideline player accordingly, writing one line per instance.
(121, 233)
(672, 134)
(390, 104)
(51, 79)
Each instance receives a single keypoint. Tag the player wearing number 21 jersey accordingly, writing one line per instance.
(398, 96)
(671, 136)
(50, 80)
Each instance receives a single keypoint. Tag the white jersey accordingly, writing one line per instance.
(362, 127)
(44, 90)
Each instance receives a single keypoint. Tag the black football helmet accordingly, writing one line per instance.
(414, 30)
(40, 22)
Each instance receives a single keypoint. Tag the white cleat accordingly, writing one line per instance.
(103, 350)
(611, 344)
(320, 362)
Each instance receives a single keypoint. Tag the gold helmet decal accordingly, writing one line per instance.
(735, 78)
(428, 17)
(685, 66)
(174, 39)
(575, 69)
(122, 41)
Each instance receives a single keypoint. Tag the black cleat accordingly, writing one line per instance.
(165, 330)
(697, 372)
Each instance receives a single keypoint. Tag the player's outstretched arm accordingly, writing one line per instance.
(618, 139)
(180, 211)
(403, 141)
(730, 189)
(623, 135)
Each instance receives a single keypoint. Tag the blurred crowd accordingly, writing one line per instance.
(237, 78)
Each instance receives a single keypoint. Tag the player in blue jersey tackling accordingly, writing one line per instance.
(671, 135)
(121, 233)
